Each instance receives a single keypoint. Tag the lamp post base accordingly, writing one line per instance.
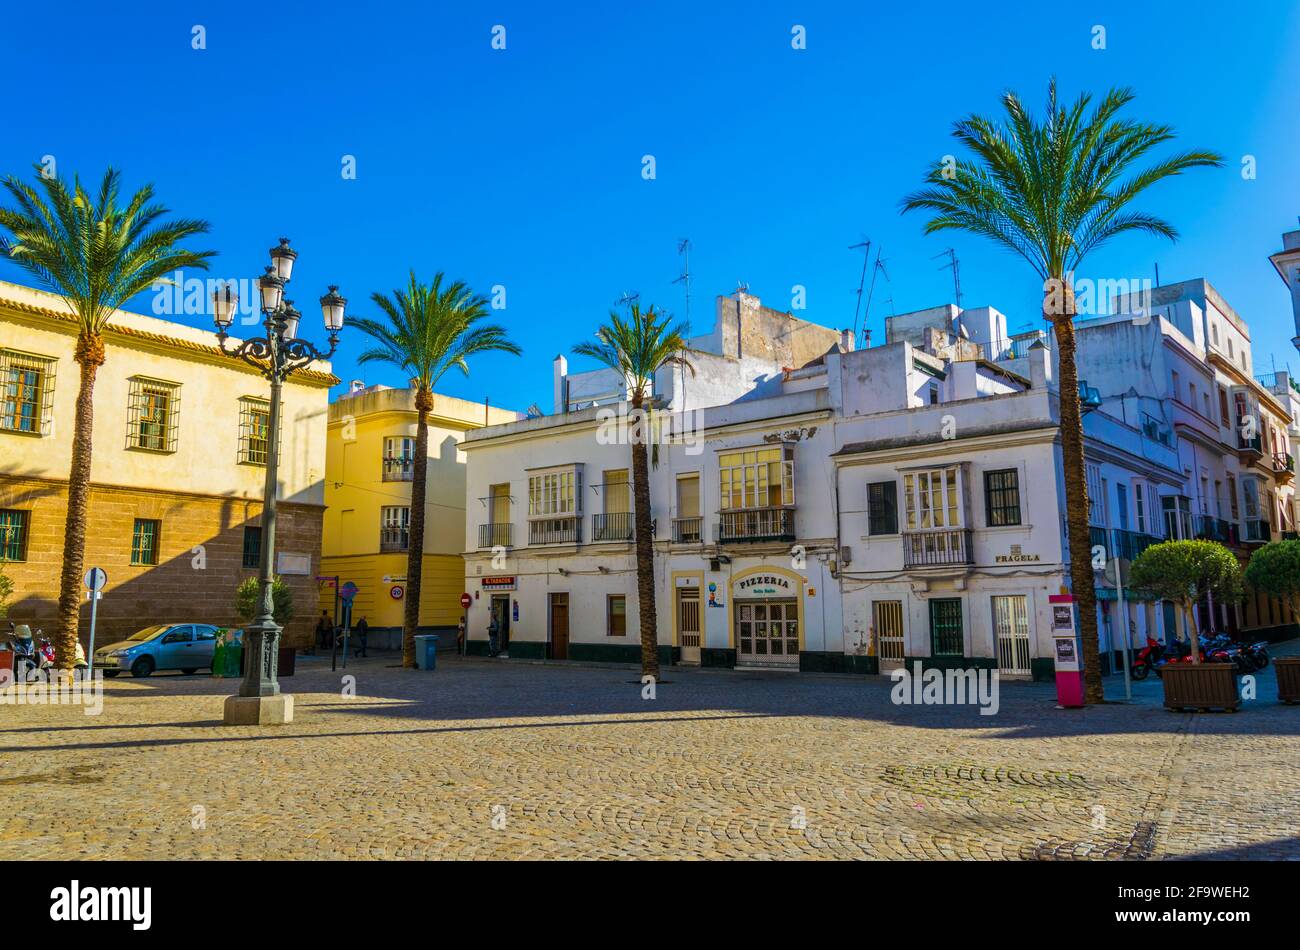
(259, 710)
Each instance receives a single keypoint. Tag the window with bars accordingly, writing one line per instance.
(252, 546)
(26, 392)
(1002, 497)
(152, 415)
(254, 430)
(144, 541)
(13, 534)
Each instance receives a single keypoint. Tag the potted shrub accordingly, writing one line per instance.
(247, 602)
(1275, 570)
(1183, 572)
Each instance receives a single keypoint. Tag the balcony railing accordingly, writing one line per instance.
(1209, 528)
(398, 469)
(1256, 531)
(1251, 446)
(612, 526)
(495, 535)
(756, 524)
(555, 531)
(929, 548)
(1117, 542)
(1283, 464)
(394, 539)
(688, 530)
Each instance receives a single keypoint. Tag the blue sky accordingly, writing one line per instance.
(523, 167)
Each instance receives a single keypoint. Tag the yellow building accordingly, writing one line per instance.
(368, 468)
(179, 445)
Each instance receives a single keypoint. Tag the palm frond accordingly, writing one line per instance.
(95, 253)
(427, 329)
(1055, 188)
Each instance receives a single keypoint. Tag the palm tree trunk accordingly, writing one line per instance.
(89, 355)
(645, 563)
(1076, 497)
(415, 552)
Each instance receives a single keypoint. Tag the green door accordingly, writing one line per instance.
(945, 627)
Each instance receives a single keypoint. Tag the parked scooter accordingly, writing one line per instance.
(47, 653)
(27, 657)
(1147, 658)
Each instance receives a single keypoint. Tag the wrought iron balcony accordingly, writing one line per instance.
(1256, 531)
(1209, 528)
(1117, 542)
(756, 524)
(495, 535)
(399, 469)
(688, 530)
(1283, 464)
(555, 531)
(612, 526)
(1249, 449)
(394, 539)
(931, 548)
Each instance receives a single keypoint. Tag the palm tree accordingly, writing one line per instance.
(636, 348)
(1052, 192)
(428, 329)
(96, 254)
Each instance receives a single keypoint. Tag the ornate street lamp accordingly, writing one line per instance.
(276, 354)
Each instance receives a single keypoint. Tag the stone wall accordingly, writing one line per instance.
(185, 585)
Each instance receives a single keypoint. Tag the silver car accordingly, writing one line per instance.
(187, 647)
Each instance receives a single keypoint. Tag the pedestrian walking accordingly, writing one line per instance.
(362, 630)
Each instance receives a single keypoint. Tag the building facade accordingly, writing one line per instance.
(1179, 367)
(369, 465)
(180, 438)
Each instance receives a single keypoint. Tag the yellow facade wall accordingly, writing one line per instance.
(356, 491)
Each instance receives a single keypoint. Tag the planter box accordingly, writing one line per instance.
(285, 661)
(1288, 678)
(1202, 686)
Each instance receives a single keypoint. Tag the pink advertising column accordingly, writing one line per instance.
(1068, 654)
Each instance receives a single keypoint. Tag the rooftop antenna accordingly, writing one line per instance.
(865, 244)
(627, 298)
(684, 249)
(879, 268)
(956, 275)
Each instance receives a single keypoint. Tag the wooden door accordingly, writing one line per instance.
(559, 626)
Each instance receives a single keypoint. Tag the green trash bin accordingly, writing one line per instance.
(426, 652)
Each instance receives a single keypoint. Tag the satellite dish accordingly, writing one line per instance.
(961, 331)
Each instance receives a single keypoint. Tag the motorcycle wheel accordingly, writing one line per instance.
(1139, 671)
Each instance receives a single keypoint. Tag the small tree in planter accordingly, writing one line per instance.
(1275, 570)
(1184, 572)
(248, 594)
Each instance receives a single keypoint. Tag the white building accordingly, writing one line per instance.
(1179, 367)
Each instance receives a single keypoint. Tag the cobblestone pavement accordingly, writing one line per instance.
(506, 759)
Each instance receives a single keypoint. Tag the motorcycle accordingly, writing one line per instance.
(27, 657)
(47, 653)
(1147, 659)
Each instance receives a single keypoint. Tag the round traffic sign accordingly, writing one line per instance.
(96, 578)
(396, 591)
(466, 600)
(348, 590)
